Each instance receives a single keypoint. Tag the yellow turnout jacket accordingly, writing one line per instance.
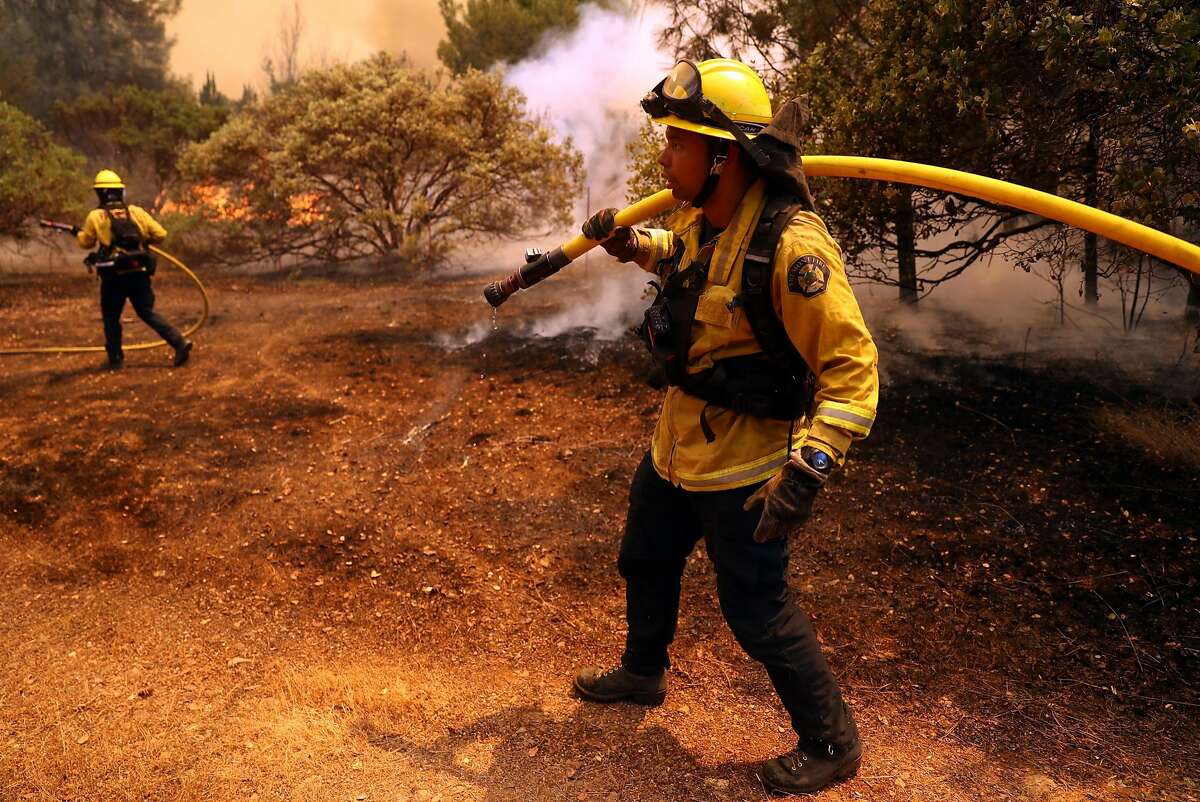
(98, 229)
(821, 315)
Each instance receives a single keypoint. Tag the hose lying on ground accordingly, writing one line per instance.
(86, 349)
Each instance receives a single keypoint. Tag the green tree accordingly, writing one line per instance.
(380, 158)
(81, 46)
(779, 34)
(38, 178)
(249, 97)
(142, 132)
(210, 95)
(645, 174)
(912, 80)
(482, 33)
(1087, 99)
(1132, 69)
(17, 66)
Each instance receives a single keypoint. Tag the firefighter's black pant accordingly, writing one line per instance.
(114, 289)
(662, 528)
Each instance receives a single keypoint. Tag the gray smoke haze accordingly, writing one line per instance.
(999, 314)
(587, 85)
(413, 27)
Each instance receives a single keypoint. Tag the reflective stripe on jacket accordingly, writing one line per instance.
(813, 299)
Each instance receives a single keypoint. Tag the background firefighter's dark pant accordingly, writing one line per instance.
(663, 526)
(136, 287)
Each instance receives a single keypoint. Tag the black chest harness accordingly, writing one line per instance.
(774, 383)
(127, 250)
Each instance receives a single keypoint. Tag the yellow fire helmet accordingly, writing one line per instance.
(107, 179)
(719, 97)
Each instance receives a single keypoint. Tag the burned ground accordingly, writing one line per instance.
(343, 555)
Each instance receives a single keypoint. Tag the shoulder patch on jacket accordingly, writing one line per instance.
(808, 276)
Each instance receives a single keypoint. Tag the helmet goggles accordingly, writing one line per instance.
(681, 93)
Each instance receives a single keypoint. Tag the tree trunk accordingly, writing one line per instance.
(1091, 290)
(1192, 311)
(906, 247)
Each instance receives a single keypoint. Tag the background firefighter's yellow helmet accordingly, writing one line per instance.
(107, 179)
(735, 89)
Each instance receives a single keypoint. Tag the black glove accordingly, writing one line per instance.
(620, 242)
(787, 500)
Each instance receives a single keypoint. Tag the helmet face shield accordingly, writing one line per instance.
(682, 82)
(681, 94)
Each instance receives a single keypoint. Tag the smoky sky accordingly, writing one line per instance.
(231, 37)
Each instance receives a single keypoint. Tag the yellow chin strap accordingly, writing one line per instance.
(87, 349)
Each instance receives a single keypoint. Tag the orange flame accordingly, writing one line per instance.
(218, 202)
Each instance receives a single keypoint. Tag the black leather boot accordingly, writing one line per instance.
(810, 767)
(618, 684)
(183, 352)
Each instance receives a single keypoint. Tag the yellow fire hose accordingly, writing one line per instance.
(1127, 232)
(84, 349)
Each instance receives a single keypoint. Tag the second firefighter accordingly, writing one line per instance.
(122, 234)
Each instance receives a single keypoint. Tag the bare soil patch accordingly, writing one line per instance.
(338, 558)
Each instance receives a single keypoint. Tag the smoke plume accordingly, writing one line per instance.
(586, 85)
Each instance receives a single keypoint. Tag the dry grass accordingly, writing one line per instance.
(322, 709)
(320, 728)
(284, 599)
(1171, 439)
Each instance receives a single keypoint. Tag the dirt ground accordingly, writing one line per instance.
(337, 558)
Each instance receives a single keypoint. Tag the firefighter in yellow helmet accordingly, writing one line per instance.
(772, 375)
(124, 233)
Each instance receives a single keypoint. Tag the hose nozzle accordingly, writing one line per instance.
(64, 227)
(495, 294)
(538, 266)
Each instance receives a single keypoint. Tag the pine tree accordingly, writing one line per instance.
(210, 95)
(78, 46)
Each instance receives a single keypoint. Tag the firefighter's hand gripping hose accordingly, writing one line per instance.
(1127, 232)
(543, 265)
(82, 349)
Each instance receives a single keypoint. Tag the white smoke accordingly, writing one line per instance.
(586, 85)
(610, 303)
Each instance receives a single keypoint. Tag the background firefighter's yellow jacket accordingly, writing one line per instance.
(98, 229)
(826, 328)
